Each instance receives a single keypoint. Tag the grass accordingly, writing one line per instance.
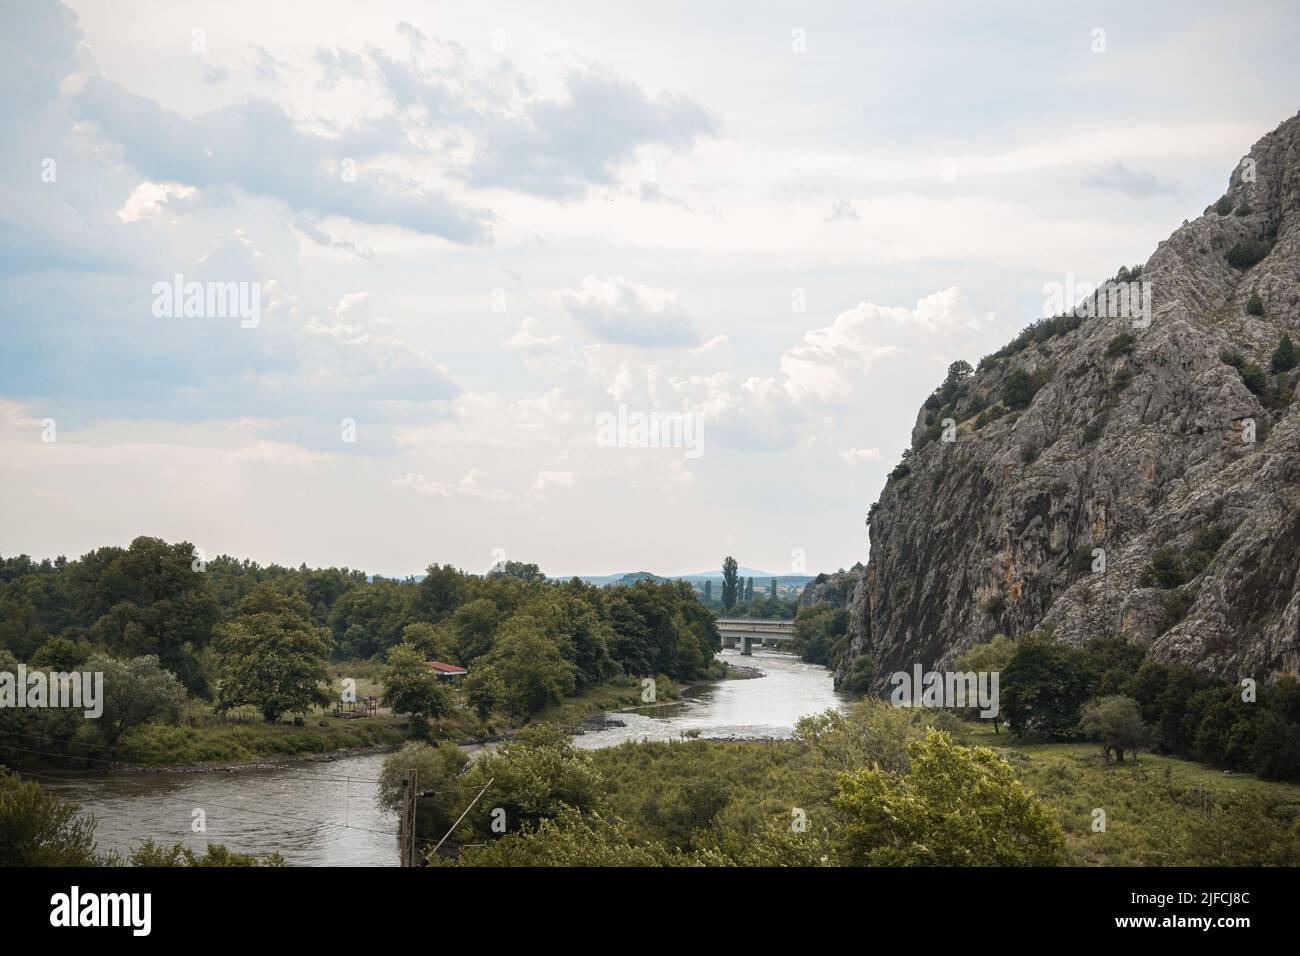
(1141, 801)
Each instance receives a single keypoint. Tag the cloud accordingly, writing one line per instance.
(529, 339)
(1131, 182)
(257, 148)
(828, 364)
(855, 456)
(618, 310)
(558, 149)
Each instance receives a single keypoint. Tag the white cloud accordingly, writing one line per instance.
(616, 309)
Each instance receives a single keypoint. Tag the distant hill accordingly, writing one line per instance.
(631, 577)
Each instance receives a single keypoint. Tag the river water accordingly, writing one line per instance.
(324, 814)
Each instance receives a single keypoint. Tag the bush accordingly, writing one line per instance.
(1256, 305)
(860, 676)
(992, 413)
(39, 829)
(1020, 388)
(1121, 344)
(1223, 206)
(1284, 356)
(1245, 254)
(1253, 377)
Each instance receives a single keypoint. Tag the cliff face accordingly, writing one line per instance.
(1091, 434)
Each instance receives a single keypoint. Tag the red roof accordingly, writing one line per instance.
(446, 668)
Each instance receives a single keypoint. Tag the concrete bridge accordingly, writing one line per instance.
(748, 631)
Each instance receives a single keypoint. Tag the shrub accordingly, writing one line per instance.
(1223, 206)
(1245, 254)
(992, 413)
(1244, 209)
(1020, 387)
(860, 676)
(1233, 358)
(1253, 377)
(1284, 356)
(1121, 344)
(1092, 432)
(1256, 305)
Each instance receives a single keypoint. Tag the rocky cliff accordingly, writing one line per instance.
(1106, 475)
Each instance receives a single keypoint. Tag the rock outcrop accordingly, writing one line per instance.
(836, 589)
(1107, 477)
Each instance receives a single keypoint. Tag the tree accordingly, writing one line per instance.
(137, 690)
(410, 685)
(437, 773)
(534, 777)
(1042, 688)
(991, 658)
(528, 573)
(954, 807)
(1117, 723)
(148, 599)
(772, 589)
(749, 589)
(533, 672)
(20, 627)
(483, 689)
(39, 829)
(273, 657)
(440, 592)
(730, 579)
(708, 592)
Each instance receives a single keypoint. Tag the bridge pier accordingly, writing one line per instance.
(748, 649)
(728, 640)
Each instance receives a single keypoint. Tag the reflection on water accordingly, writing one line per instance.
(325, 814)
(766, 706)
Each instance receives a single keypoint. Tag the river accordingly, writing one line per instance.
(324, 814)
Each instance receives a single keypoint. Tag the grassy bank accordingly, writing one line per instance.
(1159, 811)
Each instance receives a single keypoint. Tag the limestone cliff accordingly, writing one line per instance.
(1092, 434)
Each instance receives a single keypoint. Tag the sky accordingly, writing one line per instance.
(479, 245)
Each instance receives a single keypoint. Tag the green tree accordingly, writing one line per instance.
(533, 777)
(1043, 688)
(730, 583)
(992, 657)
(441, 590)
(410, 685)
(274, 658)
(437, 772)
(1117, 723)
(137, 690)
(151, 598)
(533, 672)
(954, 807)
